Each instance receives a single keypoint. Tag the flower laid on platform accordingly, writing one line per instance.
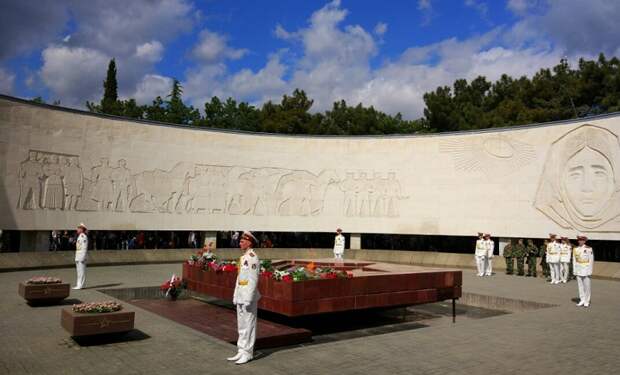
(97, 307)
(173, 287)
(192, 260)
(230, 267)
(303, 273)
(266, 266)
(202, 259)
(44, 280)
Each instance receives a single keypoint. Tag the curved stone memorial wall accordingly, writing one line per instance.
(60, 167)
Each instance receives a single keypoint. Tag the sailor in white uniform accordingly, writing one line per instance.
(339, 243)
(553, 258)
(81, 255)
(246, 298)
(583, 264)
(490, 245)
(565, 254)
(480, 255)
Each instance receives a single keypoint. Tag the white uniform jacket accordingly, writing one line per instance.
(583, 260)
(490, 245)
(553, 252)
(565, 251)
(246, 287)
(481, 248)
(81, 248)
(339, 242)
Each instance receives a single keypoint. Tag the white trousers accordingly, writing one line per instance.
(489, 266)
(246, 326)
(564, 268)
(584, 283)
(481, 264)
(80, 267)
(554, 269)
(338, 255)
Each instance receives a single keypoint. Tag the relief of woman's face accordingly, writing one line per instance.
(588, 182)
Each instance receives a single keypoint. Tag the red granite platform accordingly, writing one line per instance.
(221, 322)
(373, 285)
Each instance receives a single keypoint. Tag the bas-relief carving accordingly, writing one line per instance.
(580, 184)
(493, 155)
(49, 180)
(374, 196)
(57, 182)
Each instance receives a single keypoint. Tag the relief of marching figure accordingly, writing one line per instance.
(580, 184)
(57, 182)
(374, 196)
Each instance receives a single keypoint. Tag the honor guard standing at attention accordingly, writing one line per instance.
(490, 245)
(565, 254)
(532, 254)
(81, 255)
(553, 258)
(583, 264)
(519, 252)
(339, 242)
(543, 259)
(480, 255)
(245, 298)
(510, 264)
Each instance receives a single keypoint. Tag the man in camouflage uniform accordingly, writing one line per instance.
(519, 252)
(543, 260)
(532, 253)
(508, 256)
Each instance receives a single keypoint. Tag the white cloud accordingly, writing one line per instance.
(520, 7)
(213, 47)
(7, 81)
(73, 74)
(479, 6)
(581, 26)
(116, 27)
(281, 33)
(380, 28)
(150, 87)
(150, 51)
(263, 85)
(336, 65)
(426, 8)
(424, 4)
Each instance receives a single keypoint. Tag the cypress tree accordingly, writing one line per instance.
(109, 103)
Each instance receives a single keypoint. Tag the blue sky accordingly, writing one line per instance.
(381, 53)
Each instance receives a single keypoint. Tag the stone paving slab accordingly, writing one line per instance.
(556, 340)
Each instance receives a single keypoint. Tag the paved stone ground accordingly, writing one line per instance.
(557, 340)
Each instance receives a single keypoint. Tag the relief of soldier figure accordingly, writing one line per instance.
(376, 196)
(49, 181)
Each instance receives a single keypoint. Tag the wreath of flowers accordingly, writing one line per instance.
(97, 307)
(37, 280)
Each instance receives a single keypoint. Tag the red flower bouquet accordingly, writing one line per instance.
(229, 268)
(173, 288)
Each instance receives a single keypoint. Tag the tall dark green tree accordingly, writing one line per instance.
(109, 103)
(176, 111)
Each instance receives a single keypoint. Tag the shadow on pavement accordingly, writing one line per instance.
(111, 338)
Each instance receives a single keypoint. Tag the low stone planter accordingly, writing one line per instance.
(46, 293)
(89, 324)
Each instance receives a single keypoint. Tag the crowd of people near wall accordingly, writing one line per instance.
(63, 240)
